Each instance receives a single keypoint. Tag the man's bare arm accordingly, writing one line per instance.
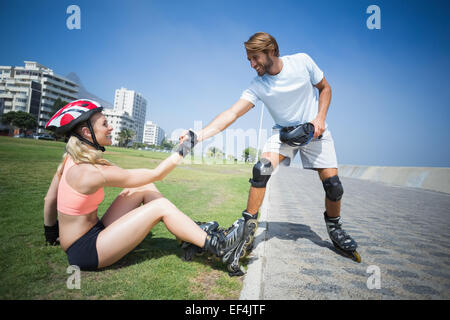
(324, 102)
(324, 97)
(225, 119)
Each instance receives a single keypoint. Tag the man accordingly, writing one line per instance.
(286, 85)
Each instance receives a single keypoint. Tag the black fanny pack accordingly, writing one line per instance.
(297, 136)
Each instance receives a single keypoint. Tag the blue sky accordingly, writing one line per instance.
(390, 104)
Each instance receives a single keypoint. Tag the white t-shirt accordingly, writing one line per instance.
(290, 95)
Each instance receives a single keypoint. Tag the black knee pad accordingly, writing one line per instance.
(261, 173)
(333, 188)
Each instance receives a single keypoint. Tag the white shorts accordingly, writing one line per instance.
(318, 153)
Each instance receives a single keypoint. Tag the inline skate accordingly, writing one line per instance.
(234, 242)
(342, 241)
(190, 250)
(228, 245)
(253, 225)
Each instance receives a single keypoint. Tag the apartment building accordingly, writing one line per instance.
(34, 88)
(135, 105)
(153, 134)
(119, 120)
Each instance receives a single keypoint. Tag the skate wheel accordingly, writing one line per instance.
(356, 257)
(234, 272)
(187, 257)
(243, 253)
(252, 224)
(249, 240)
(353, 255)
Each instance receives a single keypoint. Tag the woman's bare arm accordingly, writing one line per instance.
(50, 202)
(113, 176)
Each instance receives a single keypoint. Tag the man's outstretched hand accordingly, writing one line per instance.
(188, 140)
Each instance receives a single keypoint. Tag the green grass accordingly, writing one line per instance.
(153, 270)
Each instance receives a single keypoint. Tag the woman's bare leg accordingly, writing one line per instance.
(126, 232)
(129, 199)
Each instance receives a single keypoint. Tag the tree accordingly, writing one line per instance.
(137, 145)
(58, 104)
(125, 136)
(20, 119)
(249, 154)
(214, 152)
(165, 144)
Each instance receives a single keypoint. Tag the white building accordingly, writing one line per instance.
(136, 105)
(119, 121)
(153, 135)
(33, 89)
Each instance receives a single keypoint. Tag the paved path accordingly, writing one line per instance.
(402, 231)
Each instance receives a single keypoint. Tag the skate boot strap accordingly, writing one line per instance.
(212, 243)
(208, 226)
(235, 224)
(343, 239)
(248, 216)
(334, 225)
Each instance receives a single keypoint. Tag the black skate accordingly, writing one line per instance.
(230, 245)
(248, 216)
(190, 250)
(342, 241)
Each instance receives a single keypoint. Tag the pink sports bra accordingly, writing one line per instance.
(72, 202)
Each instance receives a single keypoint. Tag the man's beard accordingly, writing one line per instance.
(266, 66)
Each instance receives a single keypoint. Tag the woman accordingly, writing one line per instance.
(78, 188)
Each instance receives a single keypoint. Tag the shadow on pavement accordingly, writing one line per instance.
(294, 231)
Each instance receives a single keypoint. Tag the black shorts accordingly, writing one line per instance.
(83, 252)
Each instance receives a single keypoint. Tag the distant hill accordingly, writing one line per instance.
(84, 94)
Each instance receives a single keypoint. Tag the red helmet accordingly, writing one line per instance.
(72, 114)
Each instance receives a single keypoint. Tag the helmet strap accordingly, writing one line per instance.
(96, 145)
(85, 140)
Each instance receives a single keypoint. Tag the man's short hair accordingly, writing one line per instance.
(262, 41)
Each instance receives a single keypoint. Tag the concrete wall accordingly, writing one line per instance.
(437, 179)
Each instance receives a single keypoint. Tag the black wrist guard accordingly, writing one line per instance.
(51, 234)
(186, 146)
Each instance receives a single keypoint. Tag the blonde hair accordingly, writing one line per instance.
(262, 42)
(81, 153)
